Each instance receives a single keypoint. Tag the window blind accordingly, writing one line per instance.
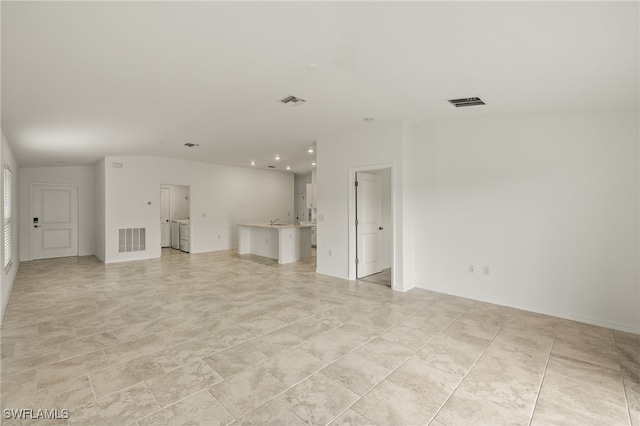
(6, 251)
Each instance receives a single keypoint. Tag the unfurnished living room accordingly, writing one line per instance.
(326, 213)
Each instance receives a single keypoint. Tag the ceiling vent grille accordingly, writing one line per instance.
(190, 145)
(132, 239)
(464, 102)
(292, 101)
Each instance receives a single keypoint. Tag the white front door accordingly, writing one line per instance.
(165, 212)
(368, 216)
(54, 221)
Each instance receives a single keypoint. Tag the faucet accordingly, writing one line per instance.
(272, 222)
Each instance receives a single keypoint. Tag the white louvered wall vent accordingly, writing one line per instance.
(132, 239)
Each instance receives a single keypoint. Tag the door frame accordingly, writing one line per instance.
(30, 217)
(191, 211)
(352, 220)
(168, 216)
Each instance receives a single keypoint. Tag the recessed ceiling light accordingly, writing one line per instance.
(313, 164)
(310, 150)
(277, 157)
(253, 163)
(288, 167)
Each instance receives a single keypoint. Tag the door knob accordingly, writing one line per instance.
(36, 226)
(380, 228)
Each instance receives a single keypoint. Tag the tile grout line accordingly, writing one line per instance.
(624, 387)
(466, 374)
(300, 381)
(394, 370)
(306, 377)
(92, 390)
(544, 374)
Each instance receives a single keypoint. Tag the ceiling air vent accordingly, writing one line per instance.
(190, 145)
(463, 102)
(292, 101)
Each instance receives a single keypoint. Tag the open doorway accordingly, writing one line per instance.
(175, 217)
(373, 226)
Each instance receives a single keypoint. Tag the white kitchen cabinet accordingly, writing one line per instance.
(314, 231)
(175, 234)
(286, 242)
(180, 238)
(311, 196)
(184, 237)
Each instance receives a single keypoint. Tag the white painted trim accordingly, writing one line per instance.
(543, 311)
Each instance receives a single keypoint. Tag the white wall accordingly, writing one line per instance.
(99, 185)
(7, 278)
(221, 197)
(178, 201)
(83, 177)
(549, 202)
(373, 147)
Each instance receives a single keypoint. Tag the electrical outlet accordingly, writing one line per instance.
(218, 236)
(471, 269)
(330, 253)
(485, 270)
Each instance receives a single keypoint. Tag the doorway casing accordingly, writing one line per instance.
(396, 263)
(190, 207)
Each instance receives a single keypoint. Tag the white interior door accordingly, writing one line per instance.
(165, 215)
(54, 221)
(368, 216)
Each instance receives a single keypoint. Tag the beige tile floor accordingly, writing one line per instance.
(382, 278)
(219, 338)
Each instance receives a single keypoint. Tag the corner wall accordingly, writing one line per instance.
(549, 202)
(7, 278)
(100, 193)
(374, 146)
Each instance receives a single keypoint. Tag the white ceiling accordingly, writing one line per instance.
(83, 80)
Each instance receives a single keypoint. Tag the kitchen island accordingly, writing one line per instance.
(286, 242)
